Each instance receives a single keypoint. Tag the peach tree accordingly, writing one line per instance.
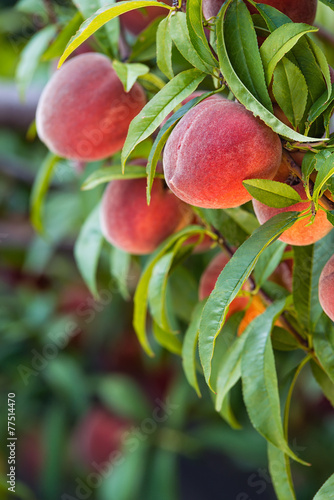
(239, 105)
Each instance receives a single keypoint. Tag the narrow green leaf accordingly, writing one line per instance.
(279, 468)
(279, 42)
(141, 294)
(31, 56)
(330, 216)
(39, 190)
(167, 339)
(120, 262)
(272, 193)
(324, 382)
(164, 49)
(242, 93)
(194, 15)
(180, 36)
(325, 172)
(101, 17)
(323, 64)
(243, 52)
(150, 117)
(323, 341)
(87, 249)
(230, 281)
(320, 106)
(290, 90)
(58, 45)
(189, 349)
(259, 379)
(107, 174)
(129, 72)
(326, 492)
(308, 264)
(268, 262)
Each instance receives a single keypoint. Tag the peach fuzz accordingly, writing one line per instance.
(300, 233)
(84, 112)
(130, 224)
(213, 148)
(137, 20)
(208, 282)
(326, 288)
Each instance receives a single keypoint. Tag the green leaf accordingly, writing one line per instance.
(259, 379)
(39, 190)
(323, 341)
(107, 174)
(141, 294)
(330, 216)
(129, 72)
(268, 262)
(329, 3)
(242, 93)
(272, 193)
(323, 64)
(326, 492)
(320, 106)
(324, 382)
(144, 48)
(164, 48)
(230, 281)
(230, 369)
(243, 52)
(87, 249)
(122, 396)
(279, 42)
(31, 56)
(279, 468)
(325, 172)
(197, 36)
(120, 262)
(58, 45)
(101, 17)
(167, 339)
(180, 36)
(308, 264)
(150, 117)
(290, 90)
(189, 349)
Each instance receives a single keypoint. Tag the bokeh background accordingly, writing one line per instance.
(95, 418)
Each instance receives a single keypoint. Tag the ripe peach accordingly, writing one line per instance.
(97, 436)
(84, 112)
(208, 281)
(137, 20)
(299, 11)
(326, 288)
(213, 148)
(300, 233)
(130, 224)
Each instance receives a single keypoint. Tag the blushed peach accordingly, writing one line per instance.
(300, 233)
(84, 112)
(213, 148)
(326, 288)
(130, 224)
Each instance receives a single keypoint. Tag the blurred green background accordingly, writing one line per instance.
(95, 418)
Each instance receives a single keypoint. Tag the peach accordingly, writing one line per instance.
(299, 11)
(208, 282)
(137, 20)
(300, 233)
(213, 148)
(98, 435)
(84, 112)
(326, 288)
(130, 224)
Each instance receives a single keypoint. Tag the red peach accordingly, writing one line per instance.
(130, 224)
(213, 148)
(84, 112)
(326, 288)
(300, 233)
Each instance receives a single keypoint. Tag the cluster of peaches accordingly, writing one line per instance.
(84, 114)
